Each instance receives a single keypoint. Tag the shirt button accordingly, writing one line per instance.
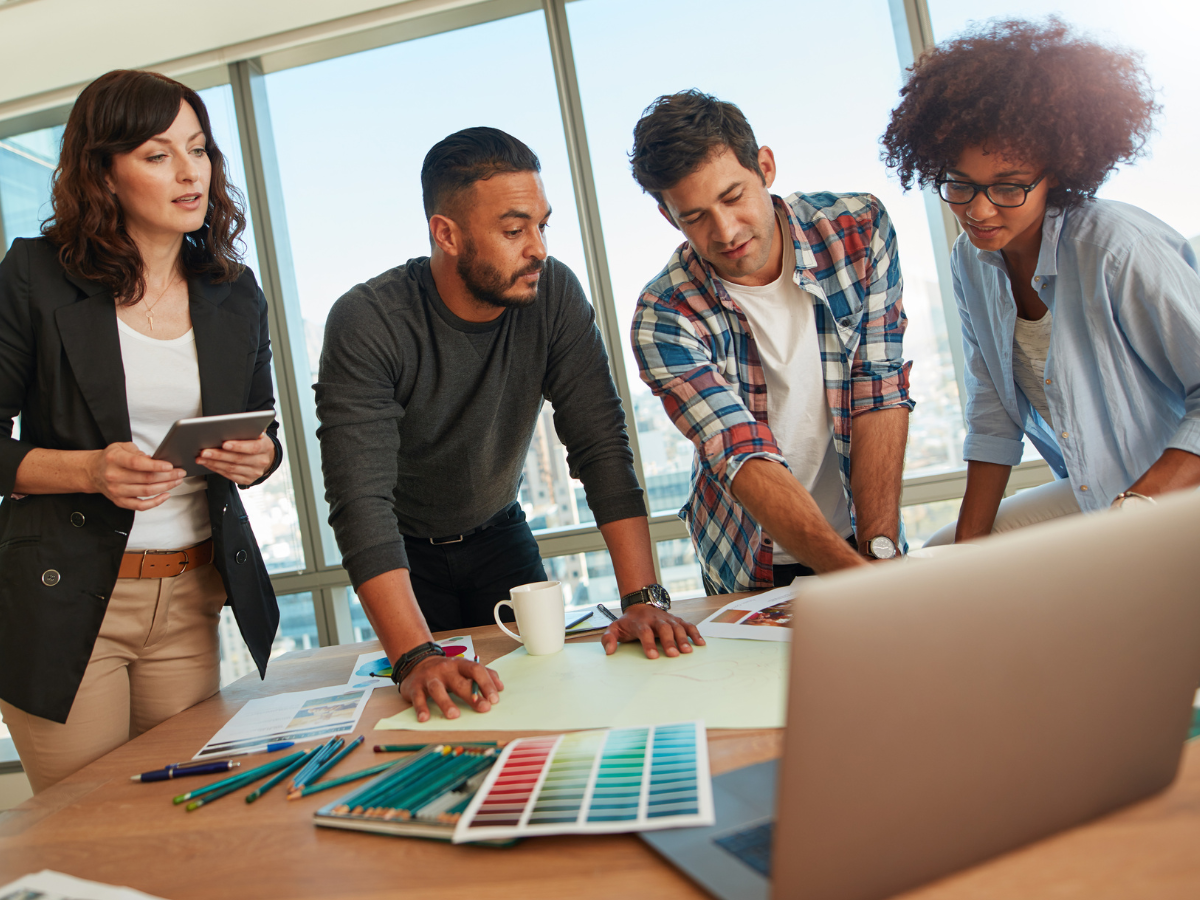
(1083, 487)
(50, 577)
(77, 519)
(240, 557)
(1047, 381)
(1064, 434)
(1037, 277)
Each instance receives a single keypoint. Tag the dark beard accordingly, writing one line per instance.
(487, 284)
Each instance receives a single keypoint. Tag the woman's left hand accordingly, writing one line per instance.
(242, 462)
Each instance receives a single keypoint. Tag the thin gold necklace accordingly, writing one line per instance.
(150, 307)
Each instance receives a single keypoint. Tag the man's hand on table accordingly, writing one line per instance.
(643, 622)
(437, 677)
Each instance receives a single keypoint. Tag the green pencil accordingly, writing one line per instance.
(279, 776)
(448, 766)
(218, 794)
(410, 768)
(239, 780)
(412, 748)
(425, 794)
(328, 764)
(318, 786)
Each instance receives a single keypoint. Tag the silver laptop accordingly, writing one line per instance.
(944, 711)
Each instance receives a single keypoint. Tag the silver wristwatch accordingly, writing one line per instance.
(653, 594)
(881, 547)
(1132, 498)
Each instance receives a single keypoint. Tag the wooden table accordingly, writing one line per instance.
(99, 825)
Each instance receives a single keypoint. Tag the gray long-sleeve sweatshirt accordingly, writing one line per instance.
(426, 418)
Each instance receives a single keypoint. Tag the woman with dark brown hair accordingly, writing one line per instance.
(1080, 317)
(132, 311)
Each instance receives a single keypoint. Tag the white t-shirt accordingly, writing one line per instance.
(162, 384)
(1031, 346)
(784, 326)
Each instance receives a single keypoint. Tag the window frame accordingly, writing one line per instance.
(250, 63)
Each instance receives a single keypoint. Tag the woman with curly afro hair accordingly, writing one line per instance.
(1080, 317)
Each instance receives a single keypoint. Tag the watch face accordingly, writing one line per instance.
(882, 547)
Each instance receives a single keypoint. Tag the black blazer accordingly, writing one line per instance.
(60, 368)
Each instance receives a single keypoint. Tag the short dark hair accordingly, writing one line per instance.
(678, 132)
(456, 162)
(1024, 89)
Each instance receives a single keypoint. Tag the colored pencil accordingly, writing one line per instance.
(407, 769)
(279, 776)
(210, 796)
(319, 757)
(408, 794)
(238, 780)
(332, 761)
(468, 766)
(318, 786)
(413, 748)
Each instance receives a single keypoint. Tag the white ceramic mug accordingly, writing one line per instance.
(540, 615)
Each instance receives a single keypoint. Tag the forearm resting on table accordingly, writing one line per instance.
(877, 440)
(391, 608)
(986, 483)
(55, 472)
(628, 542)
(790, 516)
(1175, 470)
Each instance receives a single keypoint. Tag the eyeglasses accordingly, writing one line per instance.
(960, 193)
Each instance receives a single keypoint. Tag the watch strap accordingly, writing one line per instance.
(652, 594)
(403, 666)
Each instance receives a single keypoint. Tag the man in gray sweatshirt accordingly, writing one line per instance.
(431, 380)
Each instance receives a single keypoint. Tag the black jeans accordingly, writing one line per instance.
(785, 575)
(458, 584)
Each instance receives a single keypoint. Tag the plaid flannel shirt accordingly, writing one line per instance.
(695, 351)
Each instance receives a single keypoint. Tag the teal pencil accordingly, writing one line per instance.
(425, 794)
(410, 768)
(324, 767)
(279, 776)
(318, 786)
(238, 780)
(218, 794)
(412, 748)
(450, 764)
(323, 754)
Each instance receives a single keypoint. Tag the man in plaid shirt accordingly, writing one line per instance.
(774, 338)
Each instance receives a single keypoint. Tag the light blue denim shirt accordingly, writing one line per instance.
(1123, 372)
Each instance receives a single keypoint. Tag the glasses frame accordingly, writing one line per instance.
(986, 188)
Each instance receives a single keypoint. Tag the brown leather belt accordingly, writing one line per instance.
(165, 563)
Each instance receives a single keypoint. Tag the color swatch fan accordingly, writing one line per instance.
(594, 782)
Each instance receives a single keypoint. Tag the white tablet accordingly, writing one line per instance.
(188, 437)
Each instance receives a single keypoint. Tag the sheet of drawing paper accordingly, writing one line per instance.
(50, 885)
(376, 665)
(298, 716)
(594, 782)
(763, 617)
(725, 684)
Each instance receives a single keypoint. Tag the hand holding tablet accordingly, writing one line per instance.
(188, 440)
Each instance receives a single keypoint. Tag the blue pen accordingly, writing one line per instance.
(270, 748)
(180, 771)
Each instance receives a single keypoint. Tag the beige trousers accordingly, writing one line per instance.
(157, 654)
(1025, 508)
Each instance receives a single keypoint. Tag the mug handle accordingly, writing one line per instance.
(496, 613)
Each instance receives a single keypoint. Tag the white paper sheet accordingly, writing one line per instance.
(51, 885)
(377, 662)
(763, 617)
(299, 716)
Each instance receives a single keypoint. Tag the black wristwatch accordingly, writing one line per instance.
(402, 667)
(653, 594)
(881, 547)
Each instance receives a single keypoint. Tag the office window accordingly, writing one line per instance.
(27, 163)
(1164, 183)
(680, 569)
(350, 136)
(297, 631)
(360, 627)
(820, 105)
(272, 504)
